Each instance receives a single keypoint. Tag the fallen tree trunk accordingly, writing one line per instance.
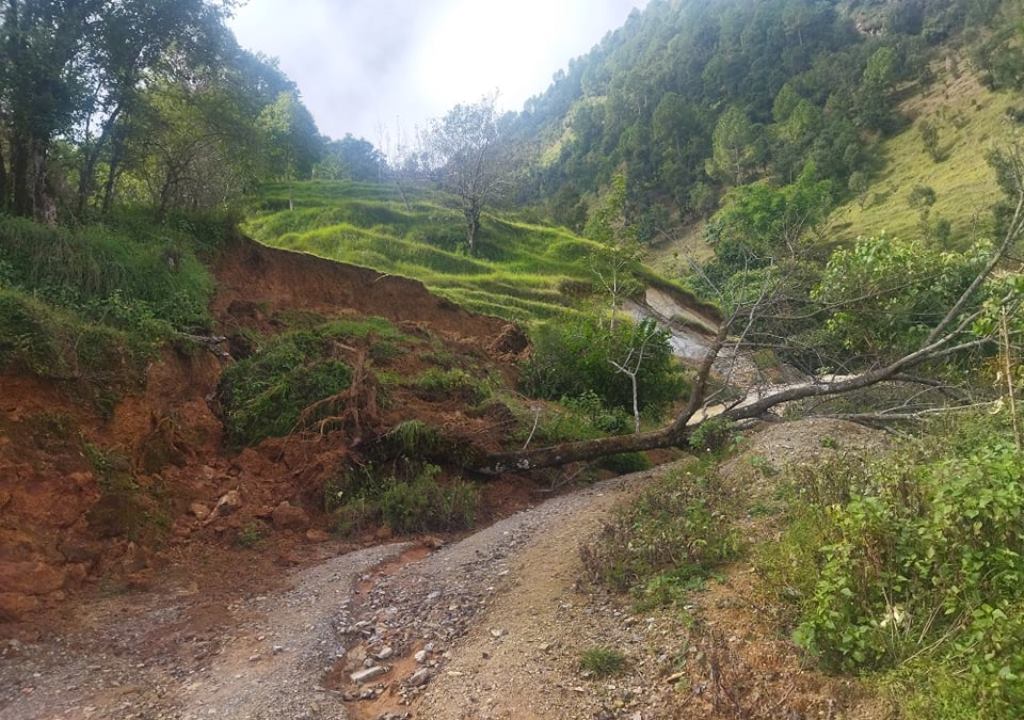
(950, 336)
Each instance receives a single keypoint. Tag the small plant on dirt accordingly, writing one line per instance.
(602, 662)
(414, 439)
(667, 542)
(124, 507)
(829, 443)
(764, 466)
(250, 536)
(439, 385)
(413, 500)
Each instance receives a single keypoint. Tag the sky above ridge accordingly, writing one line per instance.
(364, 63)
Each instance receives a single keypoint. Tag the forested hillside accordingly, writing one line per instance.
(690, 99)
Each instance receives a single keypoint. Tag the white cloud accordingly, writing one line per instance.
(362, 62)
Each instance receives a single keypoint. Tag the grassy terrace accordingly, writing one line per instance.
(522, 271)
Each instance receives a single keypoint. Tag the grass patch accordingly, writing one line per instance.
(970, 120)
(437, 385)
(407, 502)
(519, 273)
(603, 662)
(666, 542)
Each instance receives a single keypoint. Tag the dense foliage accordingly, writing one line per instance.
(573, 357)
(286, 385)
(919, 569)
(693, 98)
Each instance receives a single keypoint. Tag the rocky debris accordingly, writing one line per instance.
(317, 536)
(289, 517)
(31, 578)
(419, 678)
(384, 653)
(229, 504)
(361, 677)
(199, 510)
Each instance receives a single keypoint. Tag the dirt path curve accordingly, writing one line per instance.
(289, 655)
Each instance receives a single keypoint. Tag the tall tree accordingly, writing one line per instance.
(470, 158)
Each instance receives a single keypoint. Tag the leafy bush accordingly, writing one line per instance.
(571, 358)
(417, 503)
(666, 542)
(921, 559)
(265, 395)
(891, 292)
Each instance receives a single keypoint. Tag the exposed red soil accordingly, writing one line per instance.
(56, 538)
(256, 281)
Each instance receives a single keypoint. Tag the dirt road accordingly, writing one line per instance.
(395, 612)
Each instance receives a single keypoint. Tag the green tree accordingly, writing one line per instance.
(290, 135)
(736, 148)
(351, 158)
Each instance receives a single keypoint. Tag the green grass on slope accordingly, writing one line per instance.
(521, 271)
(970, 121)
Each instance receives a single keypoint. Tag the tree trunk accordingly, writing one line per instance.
(3, 180)
(580, 451)
(472, 213)
(20, 156)
(116, 155)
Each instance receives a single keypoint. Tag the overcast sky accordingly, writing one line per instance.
(362, 62)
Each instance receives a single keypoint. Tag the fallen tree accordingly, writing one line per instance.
(955, 333)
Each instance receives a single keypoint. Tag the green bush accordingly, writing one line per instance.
(626, 463)
(920, 572)
(406, 502)
(666, 542)
(571, 357)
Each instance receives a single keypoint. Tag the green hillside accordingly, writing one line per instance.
(522, 271)
(970, 121)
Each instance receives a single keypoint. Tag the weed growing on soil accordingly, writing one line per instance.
(666, 542)
(603, 662)
(124, 507)
(437, 385)
(409, 502)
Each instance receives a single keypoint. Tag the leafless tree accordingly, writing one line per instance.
(471, 159)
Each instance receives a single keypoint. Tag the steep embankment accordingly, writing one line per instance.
(153, 484)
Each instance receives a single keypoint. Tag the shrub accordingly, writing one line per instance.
(626, 463)
(265, 395)
(417, 502)
(664, 543)
(921, 559)
(571, 359)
